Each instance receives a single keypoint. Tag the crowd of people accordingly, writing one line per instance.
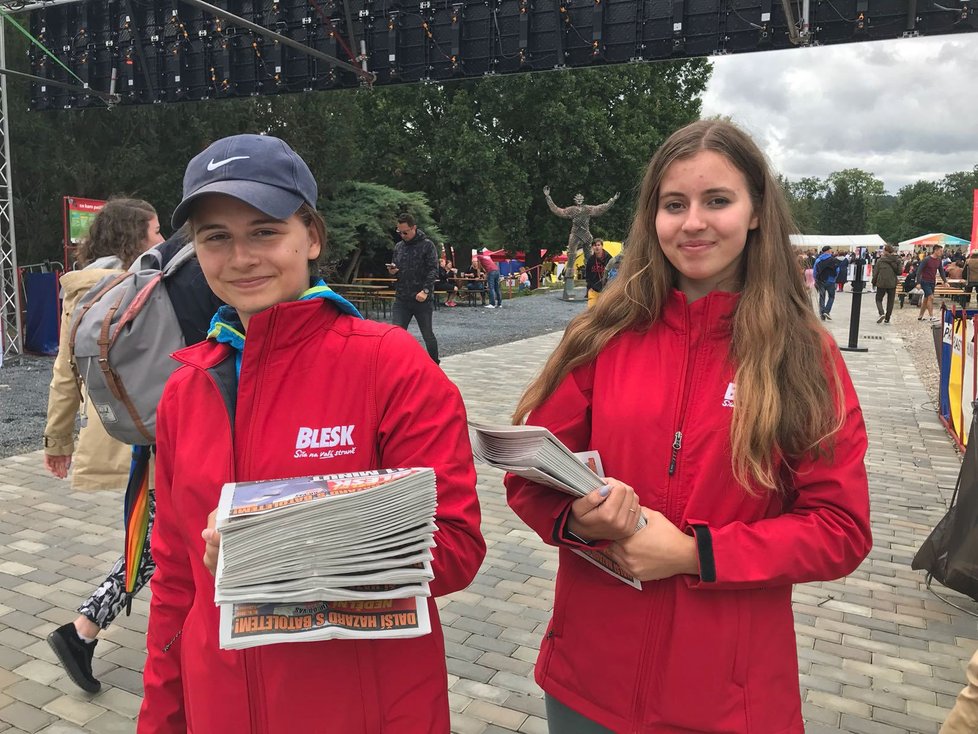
(748, 470)
(912, 273)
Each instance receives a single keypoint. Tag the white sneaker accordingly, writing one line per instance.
(488, 305)
(934, 318)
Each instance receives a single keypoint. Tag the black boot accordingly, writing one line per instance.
(76, 656)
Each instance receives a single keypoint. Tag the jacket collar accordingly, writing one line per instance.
(286, 323)
(712, 314)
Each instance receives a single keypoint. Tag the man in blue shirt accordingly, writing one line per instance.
(826, 269)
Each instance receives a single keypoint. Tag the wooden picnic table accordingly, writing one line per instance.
(953, 290)
(366, 296)
(470, 294)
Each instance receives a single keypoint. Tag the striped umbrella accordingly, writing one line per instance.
(136, 516)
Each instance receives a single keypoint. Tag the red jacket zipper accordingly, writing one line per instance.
(659, 591)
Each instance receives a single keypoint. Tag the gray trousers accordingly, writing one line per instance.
(564, 720)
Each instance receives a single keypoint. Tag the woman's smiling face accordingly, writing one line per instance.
(703, 216)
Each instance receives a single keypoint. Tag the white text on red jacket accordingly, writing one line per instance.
(325, 443)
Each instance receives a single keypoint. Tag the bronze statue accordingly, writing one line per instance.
(580, 235)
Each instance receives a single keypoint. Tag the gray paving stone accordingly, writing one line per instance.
(25, 717)
(879, 653)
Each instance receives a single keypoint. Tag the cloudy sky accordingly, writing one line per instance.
(904, 109)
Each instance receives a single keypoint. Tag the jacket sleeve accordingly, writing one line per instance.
(422, 422)
(430, 266)
(567, 414)
(162, 710)
(63, 397)
(823, 534)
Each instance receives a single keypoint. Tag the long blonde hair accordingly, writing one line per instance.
(789, 394)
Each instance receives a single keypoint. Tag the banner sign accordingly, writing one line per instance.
(955, 385)
(80, 214)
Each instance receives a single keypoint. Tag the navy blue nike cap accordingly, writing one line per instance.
(260, 170)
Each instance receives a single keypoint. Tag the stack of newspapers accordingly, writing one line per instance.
(534, 453)
(362, 541)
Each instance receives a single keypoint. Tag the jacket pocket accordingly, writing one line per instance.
(698, 667)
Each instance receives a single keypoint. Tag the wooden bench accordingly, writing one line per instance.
(941, 292)
(953, 293)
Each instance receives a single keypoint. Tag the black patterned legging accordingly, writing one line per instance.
(110, 597)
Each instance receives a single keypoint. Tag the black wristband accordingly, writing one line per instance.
(704, 548)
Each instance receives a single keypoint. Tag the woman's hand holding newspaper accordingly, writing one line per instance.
(657, 551)
(212, 542)
(609, 513)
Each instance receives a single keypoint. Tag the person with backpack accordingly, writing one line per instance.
(826, 269)
(287, 353)
(121, 232)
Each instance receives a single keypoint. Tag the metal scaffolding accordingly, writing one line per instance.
(10, 309)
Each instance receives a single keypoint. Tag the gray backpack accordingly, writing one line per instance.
(122, 334)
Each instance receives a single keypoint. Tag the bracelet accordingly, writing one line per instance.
(571, 535)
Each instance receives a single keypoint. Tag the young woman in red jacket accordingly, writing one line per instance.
(282, 360)
(726, 416)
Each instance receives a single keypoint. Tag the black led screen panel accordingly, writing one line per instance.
(156, 52)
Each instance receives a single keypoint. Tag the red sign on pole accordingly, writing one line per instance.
(973, 247)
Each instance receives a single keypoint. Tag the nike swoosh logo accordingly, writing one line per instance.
(214, 165)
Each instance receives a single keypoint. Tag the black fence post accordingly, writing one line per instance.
(857, 294)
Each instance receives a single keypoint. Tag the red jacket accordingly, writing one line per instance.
(687, 653)
(304, 366)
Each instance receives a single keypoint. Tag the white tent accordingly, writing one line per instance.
(837, 241)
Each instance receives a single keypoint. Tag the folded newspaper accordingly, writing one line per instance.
(361, 541)
(534, 453)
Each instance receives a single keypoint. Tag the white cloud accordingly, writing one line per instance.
(904, 109)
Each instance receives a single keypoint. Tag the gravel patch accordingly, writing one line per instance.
(24, 380)
(918, 339)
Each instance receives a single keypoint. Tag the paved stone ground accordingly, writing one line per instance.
(879, 653)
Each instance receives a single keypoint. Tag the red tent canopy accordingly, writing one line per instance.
(500, 255)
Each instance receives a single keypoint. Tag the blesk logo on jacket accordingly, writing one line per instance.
(728, 397)
(325, 443)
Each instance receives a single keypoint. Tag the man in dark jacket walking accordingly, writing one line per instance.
(416, 267)
(886, 276)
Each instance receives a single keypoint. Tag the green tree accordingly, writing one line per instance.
(361, 219)
(805, 197)
(843, 211)
(852, 197)
(927, 213)
(590, 131)
(959, 189)
(480, 150)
